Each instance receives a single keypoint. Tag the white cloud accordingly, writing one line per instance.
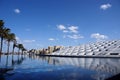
(28, 30)
(75, 36)
(61, 27)
(28, 41)
(17, 11)
(24, 41)
(17, 38)
(99, 36)
(105, 6)
(65, 31)
(73, 29)
(70, 32)
(51, 39)
(64, 36)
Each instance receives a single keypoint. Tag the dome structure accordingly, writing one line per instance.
(97, 49)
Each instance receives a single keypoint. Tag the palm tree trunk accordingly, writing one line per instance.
(8, 47)
(22, 52)
(1, 45)
(6, 61)
(13, 52)
(18, 51)
(0, 59)
(12, 55)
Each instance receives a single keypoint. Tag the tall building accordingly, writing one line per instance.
(50, 49)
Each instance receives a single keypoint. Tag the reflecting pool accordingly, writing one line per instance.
(57, 68)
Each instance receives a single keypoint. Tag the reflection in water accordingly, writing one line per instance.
(4, 71)
(0, 58)
(8, 66)
(18, 61)
(100, 65)
(57, 68)
(9, 61)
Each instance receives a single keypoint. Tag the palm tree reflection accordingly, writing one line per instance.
(18, 61)
(9, 65)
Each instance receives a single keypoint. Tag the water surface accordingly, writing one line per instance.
(57, 68)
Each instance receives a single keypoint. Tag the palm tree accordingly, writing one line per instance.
(3, 34)
(10, 37)
(14, 45)
(20, 46)
(1, 30)
(23, 49)
(1, 23)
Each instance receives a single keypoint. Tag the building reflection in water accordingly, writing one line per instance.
(100, 65)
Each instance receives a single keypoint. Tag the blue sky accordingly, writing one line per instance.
(41, 23)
